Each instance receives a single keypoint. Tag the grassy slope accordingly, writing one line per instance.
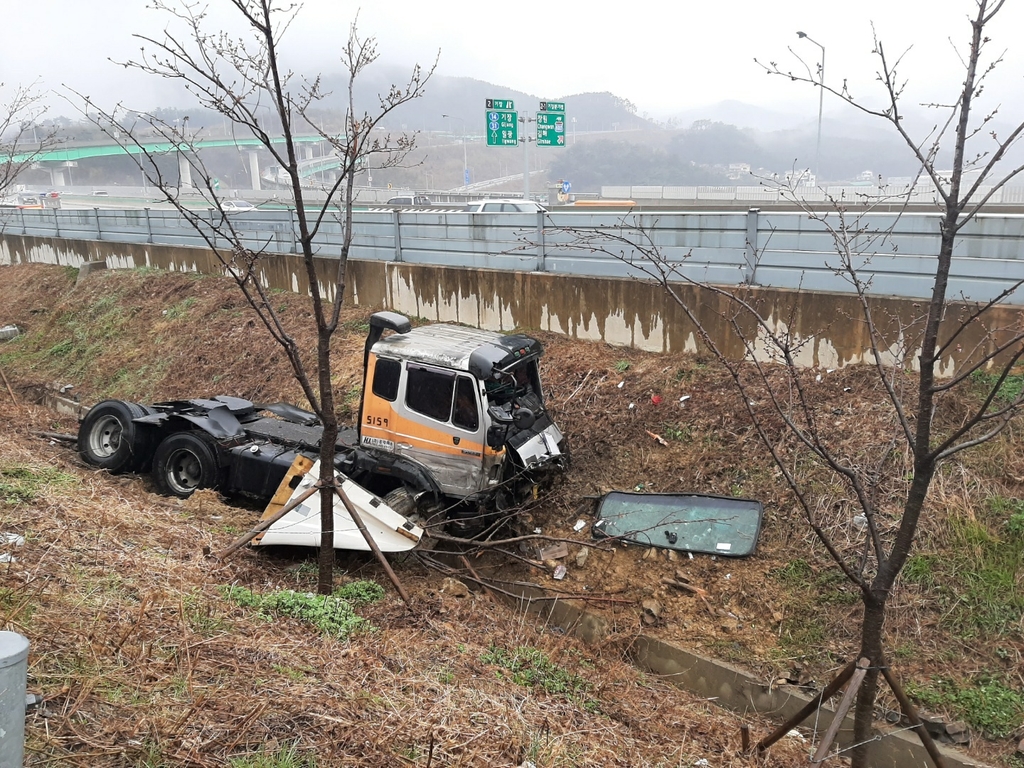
(131, 633)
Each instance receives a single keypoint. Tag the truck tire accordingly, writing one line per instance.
(401, 501)
(185, 462)
(109, 439)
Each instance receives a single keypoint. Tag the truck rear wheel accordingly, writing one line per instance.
(109, 439)
(185, 462)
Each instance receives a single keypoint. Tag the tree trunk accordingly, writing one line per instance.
(325, 578)
(871, 649)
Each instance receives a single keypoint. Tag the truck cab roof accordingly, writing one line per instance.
(460, 348)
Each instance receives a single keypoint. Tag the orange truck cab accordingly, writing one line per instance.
(462, 405)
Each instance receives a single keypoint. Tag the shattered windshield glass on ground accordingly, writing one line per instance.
(687, 522)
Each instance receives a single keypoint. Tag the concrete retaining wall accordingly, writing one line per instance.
(733, 688)
(615, 310)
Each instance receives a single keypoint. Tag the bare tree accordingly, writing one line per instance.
(889, 486)
(245, 80)
(21, 139)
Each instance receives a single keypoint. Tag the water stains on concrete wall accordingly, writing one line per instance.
(824, 330)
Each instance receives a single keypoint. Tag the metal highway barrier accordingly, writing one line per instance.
(778, 249)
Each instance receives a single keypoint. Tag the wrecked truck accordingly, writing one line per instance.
(452, 423)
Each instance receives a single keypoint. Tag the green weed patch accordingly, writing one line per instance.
(331, 614)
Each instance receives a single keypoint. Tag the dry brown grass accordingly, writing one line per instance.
(143, 662)
(141, 654)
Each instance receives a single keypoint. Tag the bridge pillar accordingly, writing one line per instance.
(56, 176)
(184, 172)
(307, 151)
(254, 169)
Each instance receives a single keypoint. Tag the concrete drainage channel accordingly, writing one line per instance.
(726, 685)
(735, 689)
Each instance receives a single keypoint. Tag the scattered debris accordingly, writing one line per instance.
(454, 588)
(560, 571)
(580, 525)
(657, 438)
(9, 332)
(652, 611)
(12, 539)
(554, 551)
(687, 522)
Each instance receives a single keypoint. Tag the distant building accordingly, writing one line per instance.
(738, 170)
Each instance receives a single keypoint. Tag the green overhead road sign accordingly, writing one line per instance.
(502, 127)
(499, 104)
(550, 129)
(552, 106)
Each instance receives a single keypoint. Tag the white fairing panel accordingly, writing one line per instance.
(541, 448)
(301, 527)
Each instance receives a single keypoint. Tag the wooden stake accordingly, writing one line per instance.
(827, 693)
(911, 712)
(350, 507)
(262, 525)
(745, 738)
(844, 706)
(8, 385)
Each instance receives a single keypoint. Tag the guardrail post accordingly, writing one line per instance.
(398, 234)
(24, 227)
(56, 222)
(294, 229)
(541, 250)
(149, 228)
(99, 232)
(751, 254)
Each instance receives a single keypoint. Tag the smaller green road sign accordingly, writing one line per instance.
(502, 128)
(552, 106)
(550, 129)
(499, 104)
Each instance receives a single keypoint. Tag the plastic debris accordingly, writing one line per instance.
(9, 332)
(580, 525)
(621, 383)
(632, 406)
(656, 399)
(560, 572)
(15, 539)
(684, 398)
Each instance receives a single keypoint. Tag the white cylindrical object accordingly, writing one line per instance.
(13, 672)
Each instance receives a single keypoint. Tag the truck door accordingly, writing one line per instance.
(432, 415)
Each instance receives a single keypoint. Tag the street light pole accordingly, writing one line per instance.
(821, 98)
(465, 163)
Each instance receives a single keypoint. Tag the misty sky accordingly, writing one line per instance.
(663, 55)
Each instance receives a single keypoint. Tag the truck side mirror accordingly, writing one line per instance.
(523, 418)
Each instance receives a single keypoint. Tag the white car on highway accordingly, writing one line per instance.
(510, 205)
(236, 206)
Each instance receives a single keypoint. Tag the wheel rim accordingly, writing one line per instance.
(184, 471)
(105, 437)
